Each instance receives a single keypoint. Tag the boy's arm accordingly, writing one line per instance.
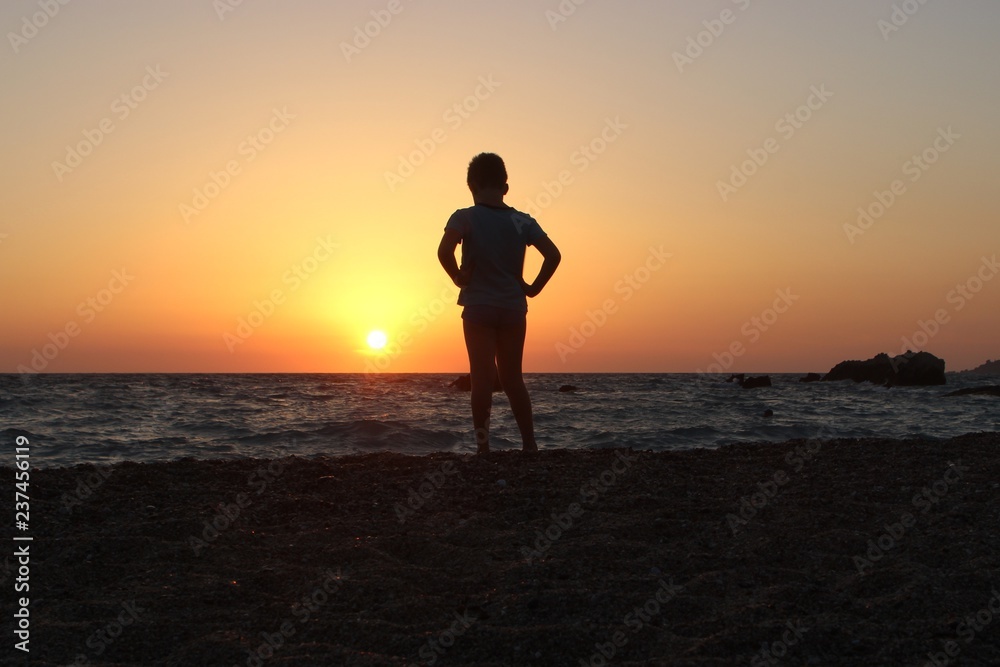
(446, 255)
(551, 258)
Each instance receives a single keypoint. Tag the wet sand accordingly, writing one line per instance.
(844, 552)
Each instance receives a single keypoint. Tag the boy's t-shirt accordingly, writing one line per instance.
(494, 241)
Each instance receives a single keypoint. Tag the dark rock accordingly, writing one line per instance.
(567, 387)
(757, 382)
(751, 382)
(977, 391)
(464, 383)
(811, 377)
(768, 413)
(910, 369)
(989, 368)
(920, 369)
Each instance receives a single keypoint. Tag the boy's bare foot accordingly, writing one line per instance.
(529, 449)
(482, 449)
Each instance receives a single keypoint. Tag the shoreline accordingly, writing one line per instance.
(832, 552)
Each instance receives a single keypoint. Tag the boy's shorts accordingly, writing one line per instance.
(494, 317)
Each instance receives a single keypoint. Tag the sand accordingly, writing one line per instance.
(844, 552)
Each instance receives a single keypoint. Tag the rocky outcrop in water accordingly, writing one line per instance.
(909, 369)
(750, 382)
(989, 368)
(464, 383)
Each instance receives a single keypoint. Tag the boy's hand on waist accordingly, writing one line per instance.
(464, 275)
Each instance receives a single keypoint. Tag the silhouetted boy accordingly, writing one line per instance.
(494, 237)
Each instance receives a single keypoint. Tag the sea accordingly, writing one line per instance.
(104, 419)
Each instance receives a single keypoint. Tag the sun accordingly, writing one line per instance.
(377, 340)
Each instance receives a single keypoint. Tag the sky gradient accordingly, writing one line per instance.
(199, 186)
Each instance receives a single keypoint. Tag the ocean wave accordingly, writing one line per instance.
(80, 418)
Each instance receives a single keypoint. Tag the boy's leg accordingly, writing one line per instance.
(481, 343)
(510, 351)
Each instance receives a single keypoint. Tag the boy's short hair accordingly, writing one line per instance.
(487, 170)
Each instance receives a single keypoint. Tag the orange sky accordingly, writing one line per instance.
(254, 187)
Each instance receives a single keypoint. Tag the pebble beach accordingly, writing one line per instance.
(808, 552)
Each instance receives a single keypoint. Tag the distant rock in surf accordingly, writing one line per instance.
(567, 388)
(811, 377)
(989, 368)
(464, 383)
(751, 382)
(757, 382)
(909, 369)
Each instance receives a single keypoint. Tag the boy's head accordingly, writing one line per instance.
(487, 171)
